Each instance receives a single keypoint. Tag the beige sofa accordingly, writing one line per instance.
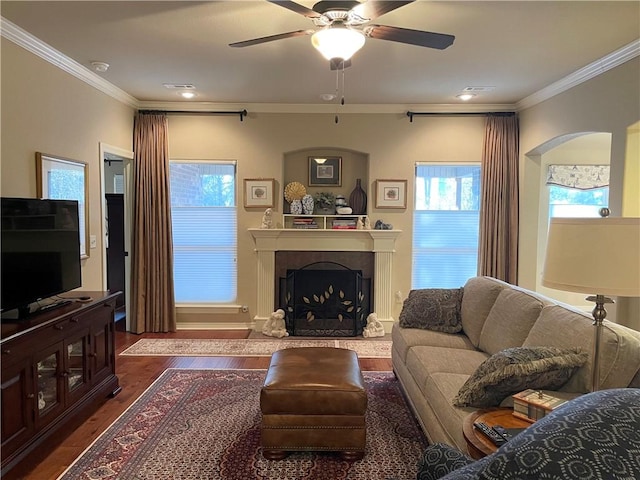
(432, 366)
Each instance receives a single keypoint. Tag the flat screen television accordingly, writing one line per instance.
(40, 251)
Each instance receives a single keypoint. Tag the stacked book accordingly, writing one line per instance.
(304, 222)
(344, 224)
(532, 405)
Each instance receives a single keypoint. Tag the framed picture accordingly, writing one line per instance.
(391, 194)
(258, 192)
(325, 171)
(59, 178)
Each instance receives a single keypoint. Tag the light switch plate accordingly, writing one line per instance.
(93, 242)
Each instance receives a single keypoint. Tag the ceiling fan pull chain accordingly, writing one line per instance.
(342, 100)
(336, 118)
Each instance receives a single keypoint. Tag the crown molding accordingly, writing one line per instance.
(330, 108)
(36, 46)
(24, 39)
(588, 72)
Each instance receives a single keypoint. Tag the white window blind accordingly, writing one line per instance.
(204, 220)
(445, 225)
(118, 183)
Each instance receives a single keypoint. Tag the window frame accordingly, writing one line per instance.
(417, 211)
(197, 306)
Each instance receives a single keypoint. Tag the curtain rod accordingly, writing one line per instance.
(241, 113)
(411, 114)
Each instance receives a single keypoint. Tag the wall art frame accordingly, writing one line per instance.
(61, 178)
(391, 194)
(325, 171)
(258, 192)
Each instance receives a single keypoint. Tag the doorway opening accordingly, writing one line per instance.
(116, 174)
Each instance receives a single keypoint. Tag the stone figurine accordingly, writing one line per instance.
(367, 223)
(267, 219)
(275, 326)
(359, 224)
(374, 327)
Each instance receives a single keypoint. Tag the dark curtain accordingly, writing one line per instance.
(153, 302)
(498, 244)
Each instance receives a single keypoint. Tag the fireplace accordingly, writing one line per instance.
(380, 244)
(325, 299)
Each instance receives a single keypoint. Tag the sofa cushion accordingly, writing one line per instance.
(433, 309)
(564, 327)
(405, 338)
(480, 293)
(509, 321)
(515, 369)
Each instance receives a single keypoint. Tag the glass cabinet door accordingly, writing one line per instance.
(48, 388)
(75, 366)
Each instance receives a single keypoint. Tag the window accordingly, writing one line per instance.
(577, 190)
(203, 213)
(445, 225)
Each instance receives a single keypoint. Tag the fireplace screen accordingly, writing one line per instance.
(323, 301)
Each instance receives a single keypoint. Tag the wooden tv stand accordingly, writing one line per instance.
(56, 365)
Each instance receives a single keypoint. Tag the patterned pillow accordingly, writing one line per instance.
(433, 309)
(592, 436)
(515, 369)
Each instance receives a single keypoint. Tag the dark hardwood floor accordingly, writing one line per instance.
(136, 374)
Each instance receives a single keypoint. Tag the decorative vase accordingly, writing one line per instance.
(307, 204)
(358, 199)
(296, 207)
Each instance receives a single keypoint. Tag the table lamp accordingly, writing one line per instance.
(600, 256)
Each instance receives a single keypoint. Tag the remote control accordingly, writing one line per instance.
(503, 432)
(494, 436)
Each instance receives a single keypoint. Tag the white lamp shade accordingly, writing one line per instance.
(599, 256)
(337, 42)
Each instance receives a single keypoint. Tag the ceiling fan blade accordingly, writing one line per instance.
(295, 7)
(412, 37)
(374, 8)
(271, 38)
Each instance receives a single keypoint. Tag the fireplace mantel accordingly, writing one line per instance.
(380, 242)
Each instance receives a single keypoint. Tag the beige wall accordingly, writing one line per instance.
(44, 109)
(262, 141)
(607, 103)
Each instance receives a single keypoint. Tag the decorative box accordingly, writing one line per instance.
(532, 405)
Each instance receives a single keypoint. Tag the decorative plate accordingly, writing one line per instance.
(294, 191)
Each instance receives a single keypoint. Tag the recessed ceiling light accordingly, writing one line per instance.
(99, 67)
(465, 96)
(187, 94)
(327, 97)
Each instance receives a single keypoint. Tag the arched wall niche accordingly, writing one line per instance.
(355, 165)
(582, 148)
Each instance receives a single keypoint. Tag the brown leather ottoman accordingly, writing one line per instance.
(313, 399)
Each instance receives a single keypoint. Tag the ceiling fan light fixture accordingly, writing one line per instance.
(337, 42)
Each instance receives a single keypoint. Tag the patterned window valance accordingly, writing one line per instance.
(582, 177)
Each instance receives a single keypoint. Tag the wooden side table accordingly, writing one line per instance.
(478, 443)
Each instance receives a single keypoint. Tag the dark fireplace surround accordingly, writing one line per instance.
(324, 293)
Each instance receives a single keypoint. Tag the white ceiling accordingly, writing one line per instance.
(517, 47)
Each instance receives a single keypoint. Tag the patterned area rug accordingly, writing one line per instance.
(249, 347)
(205, 424)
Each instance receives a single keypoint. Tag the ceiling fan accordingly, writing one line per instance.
(344, 25)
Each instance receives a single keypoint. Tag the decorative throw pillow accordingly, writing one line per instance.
(433, 309)
(515, 369)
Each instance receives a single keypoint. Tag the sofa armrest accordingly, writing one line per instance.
(440, 459)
